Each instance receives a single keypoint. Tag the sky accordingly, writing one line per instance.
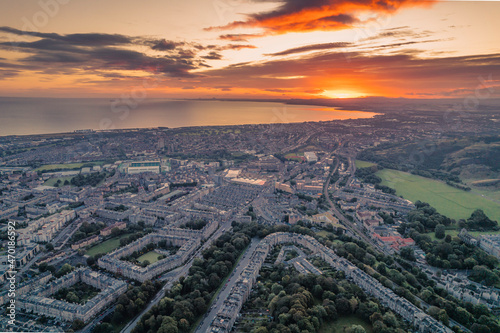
(250, 49)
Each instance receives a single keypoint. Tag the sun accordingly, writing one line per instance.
(342, 94)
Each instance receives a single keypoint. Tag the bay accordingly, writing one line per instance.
(26, 116)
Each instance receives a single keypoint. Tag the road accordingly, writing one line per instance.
(224, 292)
(31, 262)
(180, 271)
(66, 234)
(88, 328)
(353, 229)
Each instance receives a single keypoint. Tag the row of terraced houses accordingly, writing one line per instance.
(227, 315)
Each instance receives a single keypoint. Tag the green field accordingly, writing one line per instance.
(69, 166)
(449, 201)
(363, 164)
(106, 246)
(52, 181)
(295, 157)
(151, 256)
(493, 194)
(339, 325)
(65, 166)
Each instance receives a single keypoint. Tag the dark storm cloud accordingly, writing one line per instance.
(311, 15)
(213, 56)
(166, 45)
(88, 39)
(313, 47)
(97, 52)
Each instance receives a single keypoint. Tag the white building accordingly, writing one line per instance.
(311, 156)
(490, 244)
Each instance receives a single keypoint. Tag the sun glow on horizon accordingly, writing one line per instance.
(342, 94)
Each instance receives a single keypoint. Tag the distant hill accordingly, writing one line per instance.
(472, 160)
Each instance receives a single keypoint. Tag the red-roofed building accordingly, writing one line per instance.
(394, 242)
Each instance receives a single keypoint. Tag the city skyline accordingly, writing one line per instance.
(250, 49)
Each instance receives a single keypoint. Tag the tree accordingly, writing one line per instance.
(117, 317)
(390, 319)
(469, 263)
(90, 261)
(65, 269)
(77, 324)
(184, 325)
(483, 274)
(72, 298)
(168, 325)
(478, 328)
(103, 328)
(479, 220)
(440, 231)
(276, 288)
(463, 316)
(49, 246)
(199, 305)
(343, 306)
(317, 291)
(356, 329)
(366, 309)
(115, 232)
(407, 253)
(443, 317)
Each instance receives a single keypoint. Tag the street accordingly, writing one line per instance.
(224, 292)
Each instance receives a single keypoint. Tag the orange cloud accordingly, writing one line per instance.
(313, 15)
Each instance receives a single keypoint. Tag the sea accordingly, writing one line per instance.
(28, 116)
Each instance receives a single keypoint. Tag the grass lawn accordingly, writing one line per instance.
(363, 164)
(490, 193)
(338, 325)
(449, 201)
(295, 157)
(323, 233)
(106, 246)
(52, 181)
(151, 256)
